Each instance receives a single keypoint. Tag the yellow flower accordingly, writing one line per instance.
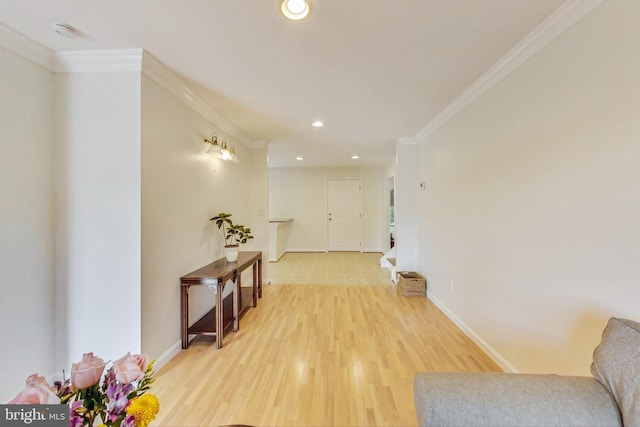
(144, 409)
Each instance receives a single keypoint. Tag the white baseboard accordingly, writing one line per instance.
(165, 357)
(490, 351)
(277, 258)
(384, 263)
(373, 250)
(306, 250)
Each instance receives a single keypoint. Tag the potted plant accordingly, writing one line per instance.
(234, 235)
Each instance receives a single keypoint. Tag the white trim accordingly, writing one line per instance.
(168, 80)
(165, 357)
(490, 351)
(115, 61)
(130, 60)
(372, 250)
(99, 61)
(25, 48)
(559, 21)
(385, 263)
(406, 141)
(276, 259)
(307, 250)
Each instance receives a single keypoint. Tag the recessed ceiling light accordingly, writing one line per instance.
(317, 124)
(295, 9)
(356, 157)
(299, 158)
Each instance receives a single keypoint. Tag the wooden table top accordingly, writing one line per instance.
(220, 270)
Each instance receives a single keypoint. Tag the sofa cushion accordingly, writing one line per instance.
(511, 400)
(616, 364)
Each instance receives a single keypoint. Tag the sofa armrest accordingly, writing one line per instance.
(490, 399)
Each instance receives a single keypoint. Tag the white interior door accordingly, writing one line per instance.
(344, 214)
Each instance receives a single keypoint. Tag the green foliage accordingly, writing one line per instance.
(234, 234)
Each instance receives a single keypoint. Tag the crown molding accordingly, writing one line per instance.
(117, 60)
(557, 23)
(406, 141)
(168, 80)
(98, 61)
(259, 143)
(25, 48)
(141, 61)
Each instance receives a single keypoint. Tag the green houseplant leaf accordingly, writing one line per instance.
(234, 234)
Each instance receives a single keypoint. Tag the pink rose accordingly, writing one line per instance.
(38, 392)
(87, 372)
(131, 367)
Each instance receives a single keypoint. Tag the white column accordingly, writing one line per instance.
(406, 204)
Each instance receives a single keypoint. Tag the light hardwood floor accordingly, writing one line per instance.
(329, 268)
(316, 356)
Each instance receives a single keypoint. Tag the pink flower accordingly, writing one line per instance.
(38, 392)
(87, 372)
(130, 367)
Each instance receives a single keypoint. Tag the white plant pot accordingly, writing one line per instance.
(231, 253)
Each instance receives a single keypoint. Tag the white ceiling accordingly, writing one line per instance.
(372, 70)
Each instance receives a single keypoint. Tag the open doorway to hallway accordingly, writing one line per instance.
(388, 260)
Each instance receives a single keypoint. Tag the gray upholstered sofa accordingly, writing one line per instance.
(610, 398)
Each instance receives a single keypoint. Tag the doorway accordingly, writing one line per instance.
(344, 214)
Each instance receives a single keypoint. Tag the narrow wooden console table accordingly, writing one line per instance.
(215, 276)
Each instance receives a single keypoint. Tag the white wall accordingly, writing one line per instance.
(98, 212)
(301, 194)
(75, 261)
(408, 177)
(533, 199)
(26, 223)
(181, 189)
(389, 169)
(258, 206)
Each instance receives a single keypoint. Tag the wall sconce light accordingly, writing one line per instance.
(214, 150)
(232, 155)
(224, 151)
(221, 151)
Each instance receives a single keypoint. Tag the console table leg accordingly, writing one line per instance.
(184, 300)
(236, 302)
(260, 277)
(255, 284)
(219, 316)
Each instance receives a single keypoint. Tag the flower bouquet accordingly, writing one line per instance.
(120, 400)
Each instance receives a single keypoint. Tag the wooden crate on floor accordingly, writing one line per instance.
(412, 284)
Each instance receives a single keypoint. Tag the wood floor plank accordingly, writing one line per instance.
(316, 356)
